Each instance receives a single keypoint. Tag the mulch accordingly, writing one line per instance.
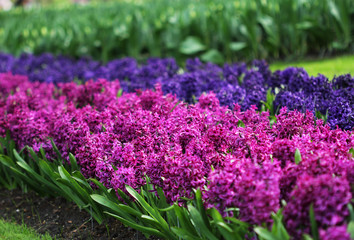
(59, 218)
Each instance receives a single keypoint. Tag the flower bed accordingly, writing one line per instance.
(245, 164)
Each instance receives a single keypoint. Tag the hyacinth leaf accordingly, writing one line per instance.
(225, 230)
(81, 179)
(56, 149)
(33, 154)
(155, 214)
(119, 93)
(184, 220)
(130, 210)
(112, 206)
(2, 151)
(278, 227)
(81, 193)
(126, 199)
(70, 193)
(201, 226)
(146, 230)
(47, 186)
(8, 180)
(73, 163)
(77, 188)
(270, 101)
(201, 208)
(9, 145)
(314, 229)
(265, 234)
(99, 185)
(240, 124)
(41, 150)
(177, 103)
(191, 45)
(350, 229)
(162, 197)
(307, 237)
(297, 156)
(53, 175)
(351, 212)
(167, 209)
(184, 234)
(272, 120)
(8, 162)
(351, 150)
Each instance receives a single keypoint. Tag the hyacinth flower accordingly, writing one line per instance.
(244, 165)
(232, 83)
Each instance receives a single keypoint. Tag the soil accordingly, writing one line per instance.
(59, 218)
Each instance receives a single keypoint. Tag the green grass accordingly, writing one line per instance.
(327, 67)
(11, 231)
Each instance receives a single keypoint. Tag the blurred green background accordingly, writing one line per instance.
(214, 30)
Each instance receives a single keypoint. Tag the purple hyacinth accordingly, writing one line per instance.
(329, 197)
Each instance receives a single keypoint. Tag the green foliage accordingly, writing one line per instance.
(297, 156)
(216, 30)
(278, 231)
(314, 229)
(268, 104)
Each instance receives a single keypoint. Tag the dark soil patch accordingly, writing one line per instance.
(59, 218)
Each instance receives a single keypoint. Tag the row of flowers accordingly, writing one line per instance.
(232, 83)
(239, 159)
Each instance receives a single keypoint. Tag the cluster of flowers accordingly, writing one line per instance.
(237, 158)
(232, 83)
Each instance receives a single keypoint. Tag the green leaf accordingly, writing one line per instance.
(237, 46)
(201, 208)
(47, 186)
(240, 124)
(350, 229)
(184, 234)
(33, 154)
(297, 156)
(109, 204)
(200, 224)
(351, 150)
(351, 212)
(307, 237)
(265, 234)
(314, 229)
(73, 163)
(56, 149)
(191, 45)
(213, 56)
(153, 212)
(305, 25)
(119, 93)
(225, 230)
(184, 220)
(81, 193)
(134, 225)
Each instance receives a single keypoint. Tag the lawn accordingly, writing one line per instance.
(9, 231)
(327, 67)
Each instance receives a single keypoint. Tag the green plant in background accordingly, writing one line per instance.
(216, 31)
